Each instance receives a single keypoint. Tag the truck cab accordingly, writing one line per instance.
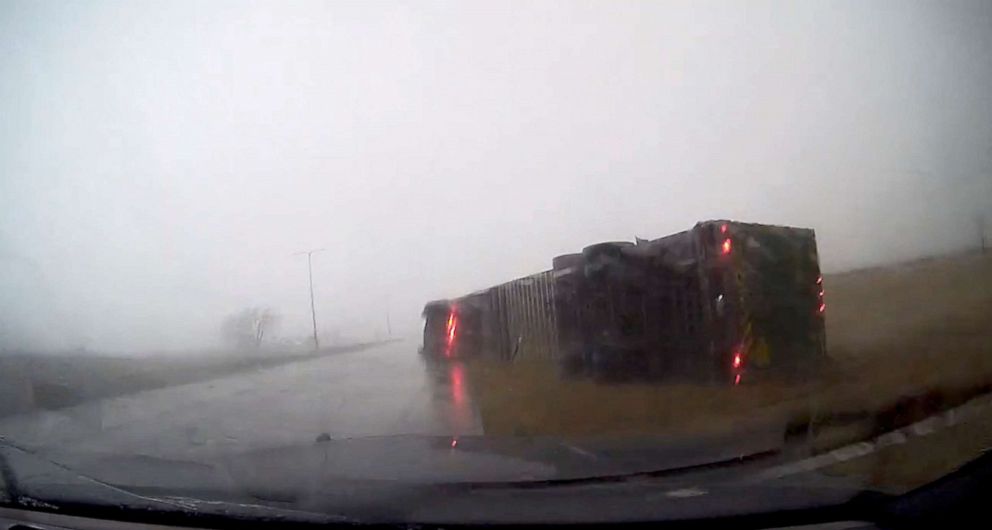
(764, 295)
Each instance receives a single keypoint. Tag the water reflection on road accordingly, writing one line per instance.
(450, 400)
(383, 391)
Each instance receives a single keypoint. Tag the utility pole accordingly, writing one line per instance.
(313, 310)
(980, 223)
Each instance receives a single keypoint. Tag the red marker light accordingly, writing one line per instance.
(723, 228)
(454, 443)
(823, 307)
(737, 360)
(452, 325)
(737, 379)
(725, 248)
(819, 280)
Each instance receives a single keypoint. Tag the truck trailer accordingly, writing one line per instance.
(720, 302)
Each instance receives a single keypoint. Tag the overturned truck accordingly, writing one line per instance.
(721, 302)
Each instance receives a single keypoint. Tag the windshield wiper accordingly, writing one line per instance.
(18, 493)
(123, 504)
(10, 488)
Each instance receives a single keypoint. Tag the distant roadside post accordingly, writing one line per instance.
(313, 310)
(980, 222)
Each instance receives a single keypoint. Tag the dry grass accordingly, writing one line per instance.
(919, 327)
(919, 330)
(530, 399)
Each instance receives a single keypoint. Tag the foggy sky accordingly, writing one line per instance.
(161, 162)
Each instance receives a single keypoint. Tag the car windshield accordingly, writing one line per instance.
(317, 256)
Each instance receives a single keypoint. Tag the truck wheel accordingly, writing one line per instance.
(611, 249)
(601, 257)
(565, 261)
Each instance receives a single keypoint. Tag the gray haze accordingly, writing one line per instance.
(161, 162)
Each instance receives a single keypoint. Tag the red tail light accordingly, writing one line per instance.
(737, 379)
(451, 327)
(738, 360)
(723, 228)
(823, 306)
(726, 246)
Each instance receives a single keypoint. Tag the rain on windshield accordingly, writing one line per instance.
(690, 233)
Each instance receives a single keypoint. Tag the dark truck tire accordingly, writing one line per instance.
(566, 260)
(601, 257)
(610, 249)
(616, 363)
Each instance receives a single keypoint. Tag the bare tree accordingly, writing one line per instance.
(247, 328)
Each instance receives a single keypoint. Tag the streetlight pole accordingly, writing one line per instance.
(980, 224)
(313, 309)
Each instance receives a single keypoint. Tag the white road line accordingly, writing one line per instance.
(919, 429)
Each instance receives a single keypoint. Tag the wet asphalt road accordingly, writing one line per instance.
(380, 391)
